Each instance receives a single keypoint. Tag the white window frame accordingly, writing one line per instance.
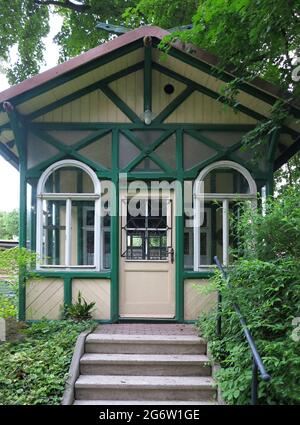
(69, 197)
(199, 198)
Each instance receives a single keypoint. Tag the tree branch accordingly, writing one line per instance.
(66, 4)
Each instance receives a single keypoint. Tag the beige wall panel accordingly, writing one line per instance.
(94, 290)
(44, 299)
(94, 107)
(81, 82)
(199, 108)
(131, 90)
(160, 100)
(211, 82)
(195, 302)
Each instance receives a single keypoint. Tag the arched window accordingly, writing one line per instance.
(68, 217)
(216, 190)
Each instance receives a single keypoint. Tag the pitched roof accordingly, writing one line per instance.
(263, 91)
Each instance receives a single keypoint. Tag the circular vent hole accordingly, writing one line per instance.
(169, 88)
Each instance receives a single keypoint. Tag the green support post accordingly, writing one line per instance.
(67, 291)
(20, 133)
(148, 76)
(114, 240)
(179, 230)
(274, 138)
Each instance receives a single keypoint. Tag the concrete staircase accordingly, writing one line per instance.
(144, 369)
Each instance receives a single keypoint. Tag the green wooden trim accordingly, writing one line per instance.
(120, 103)
(33, 217)
(20, 134)
(71, 75)
(208, 142)
(179, 230)
(138, 126)
(274, 139)
(9, 156)
(291, 151)
(173, 105)
(67, 291)
(189, 275)
(146, 320)
(83, 143)
(66, 150)
(147, 151)
(114, 235)
(79, 222)
(75, 274)
(148, 78)
(84, 91)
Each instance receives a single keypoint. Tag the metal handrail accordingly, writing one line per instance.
(257, 361)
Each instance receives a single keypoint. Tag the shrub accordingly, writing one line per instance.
(268, 293)
(35, 370)
(81, 310)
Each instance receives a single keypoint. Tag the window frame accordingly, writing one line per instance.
(199, 197)
(68, 198)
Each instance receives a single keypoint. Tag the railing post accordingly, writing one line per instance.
(254, 384)
(219, 315)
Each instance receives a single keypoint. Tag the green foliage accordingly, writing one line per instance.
(13, 260)
(81, 310)
(7, 306)
(23, 25)
(35, 370)
(162, 13)
(288, 175)
(266, 285)
(9, 224)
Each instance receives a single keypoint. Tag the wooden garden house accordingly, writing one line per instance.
(85, 134)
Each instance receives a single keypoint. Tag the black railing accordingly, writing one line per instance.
(257, 365)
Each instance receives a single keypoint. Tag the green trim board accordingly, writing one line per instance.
(120, 104)
(179, 230)
(9, 156)
(148, 78)
(115, 231)
(134, 126)
(72, 274)
(67, 291)
(20, 134)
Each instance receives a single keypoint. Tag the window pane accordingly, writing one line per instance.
(225, 180)
(128, 151)
(69, 180)
(54, 233)
(149, 239)
(82, 234)
(99, 151)
(195, 152)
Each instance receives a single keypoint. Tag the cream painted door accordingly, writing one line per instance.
(147, 277)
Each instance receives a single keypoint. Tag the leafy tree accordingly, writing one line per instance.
(288, 175)
(9, 224)
(24, 23)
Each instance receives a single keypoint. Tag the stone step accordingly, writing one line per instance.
(138, 402)
(145, 364)
(123, 387)
(144, 344)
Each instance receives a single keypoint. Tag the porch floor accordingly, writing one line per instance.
(147, 329)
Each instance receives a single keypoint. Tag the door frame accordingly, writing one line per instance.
(171, 241)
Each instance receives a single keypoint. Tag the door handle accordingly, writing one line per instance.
(171, 252)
